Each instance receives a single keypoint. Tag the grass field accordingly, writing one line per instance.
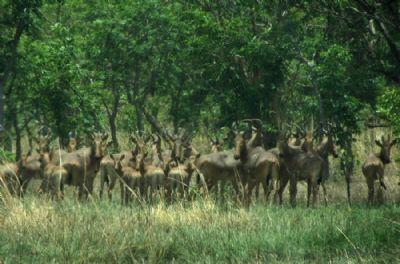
(38, 230)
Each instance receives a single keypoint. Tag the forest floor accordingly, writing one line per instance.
(38, 230)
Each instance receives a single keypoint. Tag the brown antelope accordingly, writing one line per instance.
(44, 141)
(140, 155)
(156, 169)
(130, 177)
(256, 141)
(178, 169)
(325, 148)
(374, 166)
(109, 173)
(54, 176)
(31, 164)
(45, 151)
(260, 166)
(16, 176)
(83, 164)
(301, 166)
(10, 179)
(152, 171)
(218, 167)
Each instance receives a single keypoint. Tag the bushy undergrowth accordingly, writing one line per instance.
(41, 231)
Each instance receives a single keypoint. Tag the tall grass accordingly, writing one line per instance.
(37, 230)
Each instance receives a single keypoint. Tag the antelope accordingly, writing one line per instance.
(43, 141)
(153, 172)
(131, 179)
(218, 167)
(10, 179)
(16, 176)
(109, 170)
(54, 176)
(178, 169)
(301, 166)
(83, 164)
(325, 148)
(374, 166)
(12, 175)
(260, 166)
(31, 168)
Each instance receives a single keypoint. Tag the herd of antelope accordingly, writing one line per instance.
(149, 171)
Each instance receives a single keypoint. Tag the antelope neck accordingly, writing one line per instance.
(322, 151)
(244, 154)
(381, 157)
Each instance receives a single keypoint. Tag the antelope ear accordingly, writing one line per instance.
(122, 157)
(377, 142)
(105, 136)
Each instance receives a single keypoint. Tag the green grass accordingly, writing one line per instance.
(40, 231)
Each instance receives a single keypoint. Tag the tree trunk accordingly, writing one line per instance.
(30, 138)
(113, 129)
(347, 165)
(10, 64)
(113, 116)
(175, 103)
(139, 119)
(150, 118)
(18, 148)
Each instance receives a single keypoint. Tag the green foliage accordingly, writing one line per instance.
(86, 65)
(389, 106)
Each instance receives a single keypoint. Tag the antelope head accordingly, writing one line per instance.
(386, 145)
(240, 151)
(179, 143)
(100, 144)
(308, 144)
(45, 137)
(72, 142)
